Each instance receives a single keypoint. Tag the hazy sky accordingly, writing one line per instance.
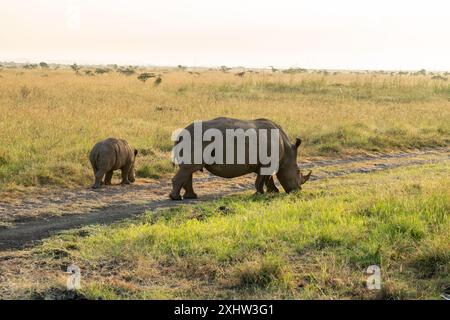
(376, 34)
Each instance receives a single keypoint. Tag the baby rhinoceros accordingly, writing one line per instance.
(109, 155)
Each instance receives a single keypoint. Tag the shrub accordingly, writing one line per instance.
(102, 70)
(439, 77)
(30, 66)
(158, 81)
(128, 71)
(145, 76)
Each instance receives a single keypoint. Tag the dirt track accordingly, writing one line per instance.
(39, 216)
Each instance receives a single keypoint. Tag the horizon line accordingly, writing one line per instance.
(149, 65)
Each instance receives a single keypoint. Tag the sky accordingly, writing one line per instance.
(320, 34)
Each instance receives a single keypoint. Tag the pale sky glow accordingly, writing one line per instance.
(344, 34)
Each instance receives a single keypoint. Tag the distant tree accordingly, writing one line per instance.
(224, 68)
(240, 74)
(113, 66)
(181, 67)
(75, 67)
(88, 72)
(43, 65)
(30, 66)
(128, 71)
(422, 72)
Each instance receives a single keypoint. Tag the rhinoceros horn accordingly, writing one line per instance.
(305, 178)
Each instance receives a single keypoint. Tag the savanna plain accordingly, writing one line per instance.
(377, 142)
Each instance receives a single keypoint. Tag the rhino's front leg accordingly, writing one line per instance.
(259, 184)
(270, 185)
(183, 178)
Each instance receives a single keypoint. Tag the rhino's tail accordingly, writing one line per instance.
(93, 157)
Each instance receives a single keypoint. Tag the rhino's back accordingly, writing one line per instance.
(223, 123)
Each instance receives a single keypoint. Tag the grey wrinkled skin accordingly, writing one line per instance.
(288, 173)
(109, 155)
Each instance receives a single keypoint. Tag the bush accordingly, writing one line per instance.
(126, 71)
(145, 76)
(102, 70)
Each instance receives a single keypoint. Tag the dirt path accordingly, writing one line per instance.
(38, 216)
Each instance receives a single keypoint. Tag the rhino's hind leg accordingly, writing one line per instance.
(189, 189)
(108, 178)
(270, 185)
(181, 179)
(125, 171)
(98, 178)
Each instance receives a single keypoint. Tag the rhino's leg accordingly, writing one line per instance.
(259, 184)
(125, 171)
(108, 178)
(98, 178)
(270, 185)
(189, 189)
(182, 177)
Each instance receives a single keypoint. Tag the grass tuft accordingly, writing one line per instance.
(262, 273)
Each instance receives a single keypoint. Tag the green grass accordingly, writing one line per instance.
(314, 244)
(154, 170)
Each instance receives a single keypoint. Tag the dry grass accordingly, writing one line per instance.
(50, 119)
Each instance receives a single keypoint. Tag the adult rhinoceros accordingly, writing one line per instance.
(286, 170)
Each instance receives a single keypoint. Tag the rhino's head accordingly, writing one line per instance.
(132, 172)
(289, 174)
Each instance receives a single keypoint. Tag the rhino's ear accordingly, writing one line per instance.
(298, 142)
(135, 152)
